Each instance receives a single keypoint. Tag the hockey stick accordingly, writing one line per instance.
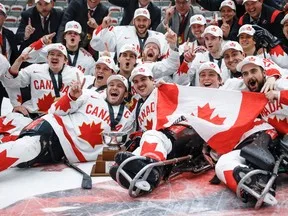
(86, 181)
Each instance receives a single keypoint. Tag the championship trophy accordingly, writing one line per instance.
(113, 143)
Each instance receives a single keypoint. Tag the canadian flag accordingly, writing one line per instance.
(220, 117)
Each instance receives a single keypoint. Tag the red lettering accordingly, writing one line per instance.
(126, 114)
(65, 90)
(88, 108)
(36, 86)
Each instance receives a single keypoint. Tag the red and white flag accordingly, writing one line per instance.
(220, 117)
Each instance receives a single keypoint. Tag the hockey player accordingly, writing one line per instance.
(105, 67)
(213, 37)
(118, 36)
(232, 166)
(47, 81)
(156, 145)
(233, 54)
(197, 27)
(76, 55)
(162, 68)
(73, 127)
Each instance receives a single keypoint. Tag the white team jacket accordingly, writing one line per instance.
(84, 63)
(42, 90)
(117, 36)
(79, 124)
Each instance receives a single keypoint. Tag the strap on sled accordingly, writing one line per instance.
(139, 182)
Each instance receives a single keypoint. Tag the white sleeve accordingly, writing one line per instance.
(36, 55)
(105, 35)
(167, 66)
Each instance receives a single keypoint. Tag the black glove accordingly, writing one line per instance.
(264, 38)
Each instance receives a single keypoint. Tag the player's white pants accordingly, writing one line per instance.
(225, 166)
(154, 144)
(18, 151)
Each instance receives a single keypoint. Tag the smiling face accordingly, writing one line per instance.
(227, 13)
(253, 77)
(56, 60)
(142, 25)
(209, 78)
(151, 52)
(253, 8)
(102, 73)
(116, 92)
(246, 41)
(143, 85)
(197, 30)
(72, 39)
(231, 58)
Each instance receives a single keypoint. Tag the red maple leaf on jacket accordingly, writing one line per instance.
(206, 112)
(149, 124)
(4, 128)
(91, 133)
(6, 162)
(149, 150)
(45, 102)
(63, 103)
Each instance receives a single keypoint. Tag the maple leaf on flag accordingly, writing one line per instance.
(206, 112)
(63, 104)
(279, 124)
(148, 149)
(4, 128)
(6, 162)
(91, 133)
(45, 102)
(149, 124)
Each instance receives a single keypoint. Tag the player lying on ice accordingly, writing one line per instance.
(73, 127)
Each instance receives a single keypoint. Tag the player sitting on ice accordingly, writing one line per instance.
(155, 145)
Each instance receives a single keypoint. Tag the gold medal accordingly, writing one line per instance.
(180, 41)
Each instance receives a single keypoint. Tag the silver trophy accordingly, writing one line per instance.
(114, 140)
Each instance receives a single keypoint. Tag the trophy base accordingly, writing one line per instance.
(104, 162)
(108, 154)
(101, 167)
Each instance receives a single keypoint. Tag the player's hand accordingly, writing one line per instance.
(29, 30)
(107, 21)
(21, 109)
(272, 95)
(91, 22)
(214, 20)
(171, 37)
(225, 28)
(76, 87)
(159, 83)
(269, 84)
(190, 55)
(106, 51)
(47, 39)
(169, 13)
